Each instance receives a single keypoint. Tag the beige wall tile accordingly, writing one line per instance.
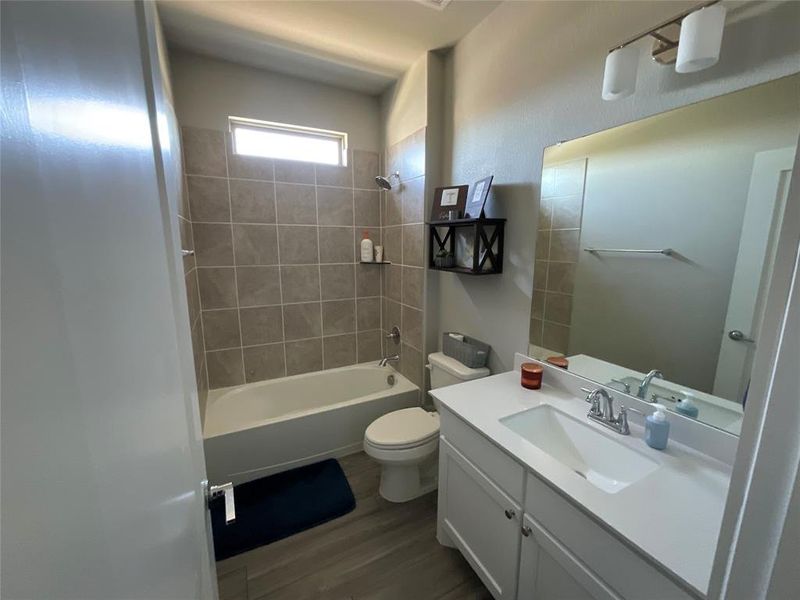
(252, 201)
(225, 368)
(336, 244)
(542, 245)
(192, 296)
(564, 245)
(338, 317)
(545, 220)
(567, 212)
(335, 206)
(217, 287)
(203, 152)
(555, 337)
(335, 175)
(264, 362)
(367, 208)
(414, 200)
(540, 275)
(560, 277)
(558, 308)
(391, 314)
(393, 244)
(411, 364)
(412, 326)
(298, 245)
(537, 305)
(392, 211)
(291, 171)
(258, 286)
(413, 244)
(369, 313)
(255, 244)
(535, 332)
(413, 286)
(304, 356)
(302, 321)
(261, 325)
(221, 329)
(392, 282)
(338, 281)
(365, 169)
(208, 199)
(368, 280)
(339, 351)
(187, 243)
(300, 283)
(369, 346)
(213, 245)
(296, 204)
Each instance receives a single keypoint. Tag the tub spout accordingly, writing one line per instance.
(387, 359)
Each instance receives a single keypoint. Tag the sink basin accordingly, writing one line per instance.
(600, 460)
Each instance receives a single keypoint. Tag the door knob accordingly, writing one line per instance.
(510, 513)
(738, 336)
(226, 490)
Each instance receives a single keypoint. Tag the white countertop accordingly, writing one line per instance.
(673, 515)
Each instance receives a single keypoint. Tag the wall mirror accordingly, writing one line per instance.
(655, 244)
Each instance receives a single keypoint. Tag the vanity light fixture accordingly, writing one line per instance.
(691, 40)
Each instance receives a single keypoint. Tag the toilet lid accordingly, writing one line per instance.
(403, 428)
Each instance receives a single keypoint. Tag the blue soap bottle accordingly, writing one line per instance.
(687, 406)
(656, 429)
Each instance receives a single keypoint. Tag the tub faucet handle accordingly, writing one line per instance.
(394, 334)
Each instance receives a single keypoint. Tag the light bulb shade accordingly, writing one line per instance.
(701, 39)
(619, 79)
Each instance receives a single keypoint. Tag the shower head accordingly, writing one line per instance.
(385, 183)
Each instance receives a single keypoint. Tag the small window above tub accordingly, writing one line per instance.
(288, 142)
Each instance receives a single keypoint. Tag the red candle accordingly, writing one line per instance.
(531, 375)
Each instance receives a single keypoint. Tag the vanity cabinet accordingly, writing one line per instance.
(482, 520)
(522, 538)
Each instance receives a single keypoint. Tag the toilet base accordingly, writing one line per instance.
(401, 483)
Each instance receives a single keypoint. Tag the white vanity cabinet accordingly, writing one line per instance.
(522, 538)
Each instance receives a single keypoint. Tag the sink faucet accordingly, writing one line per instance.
(387, 359)
(602, 411)
(645, 385)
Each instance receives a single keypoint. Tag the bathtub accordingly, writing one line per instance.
(258, 429)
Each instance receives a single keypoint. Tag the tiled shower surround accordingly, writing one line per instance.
(279, 290)
(404, 245)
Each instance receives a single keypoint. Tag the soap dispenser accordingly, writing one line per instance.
(687, 407)
(656, 431)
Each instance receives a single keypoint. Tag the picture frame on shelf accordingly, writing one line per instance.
(477, 198)
(448, 199)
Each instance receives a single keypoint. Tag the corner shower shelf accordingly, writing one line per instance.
(374, 262)
(487, 244)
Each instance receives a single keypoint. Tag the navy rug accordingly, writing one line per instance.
(275, 507)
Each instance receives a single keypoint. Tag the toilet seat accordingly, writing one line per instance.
(403, 429)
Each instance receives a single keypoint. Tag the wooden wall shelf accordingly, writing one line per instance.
(487, 244)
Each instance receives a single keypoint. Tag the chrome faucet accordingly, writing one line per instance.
(645, 385)
(387, 359)
(602, 411)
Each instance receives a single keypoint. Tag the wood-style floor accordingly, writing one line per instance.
(379, 551)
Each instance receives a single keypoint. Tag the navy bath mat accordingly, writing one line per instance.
(275, 507)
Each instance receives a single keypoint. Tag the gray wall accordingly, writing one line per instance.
(208, 91)
(530, 75)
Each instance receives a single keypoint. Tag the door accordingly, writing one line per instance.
(102, 467)
(481, 520)
(547, 571)
(766, 201)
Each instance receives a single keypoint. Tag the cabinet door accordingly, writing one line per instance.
(482, 521)
(549, 572)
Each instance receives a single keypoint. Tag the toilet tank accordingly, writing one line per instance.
(448, 371)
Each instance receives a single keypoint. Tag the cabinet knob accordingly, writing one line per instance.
(510, 513)
(526, 531)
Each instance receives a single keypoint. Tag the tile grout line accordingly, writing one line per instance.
(358, 252)
(233, 249)
(280, 269)
(319, 269)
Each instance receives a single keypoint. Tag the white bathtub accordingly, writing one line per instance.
(261, 428)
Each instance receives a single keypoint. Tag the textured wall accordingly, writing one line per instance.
(530, 75)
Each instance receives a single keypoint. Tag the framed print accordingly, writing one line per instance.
(449, 199)
(477, 199)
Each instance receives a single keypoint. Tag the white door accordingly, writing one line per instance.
(766, 201)
(481, 520)
(102, 462)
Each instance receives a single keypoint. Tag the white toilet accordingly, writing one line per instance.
(405, 441)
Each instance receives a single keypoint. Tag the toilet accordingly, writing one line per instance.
(405, 441)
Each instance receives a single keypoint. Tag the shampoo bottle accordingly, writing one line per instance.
(366, 248)
(656, 430)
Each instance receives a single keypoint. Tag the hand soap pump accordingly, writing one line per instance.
(656, 431)
(687, 407)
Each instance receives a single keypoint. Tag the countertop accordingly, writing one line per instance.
(672, 515)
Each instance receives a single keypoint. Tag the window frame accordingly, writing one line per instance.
(296, 130)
